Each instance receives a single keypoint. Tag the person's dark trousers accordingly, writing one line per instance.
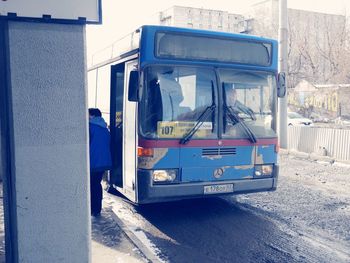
(96, 192)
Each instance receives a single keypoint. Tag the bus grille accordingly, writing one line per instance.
(218, 151)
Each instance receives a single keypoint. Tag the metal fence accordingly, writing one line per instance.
(330, 142)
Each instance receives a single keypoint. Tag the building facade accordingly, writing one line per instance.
(320, 101)
(200, 18)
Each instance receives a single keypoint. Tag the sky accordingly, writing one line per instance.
(122, 17)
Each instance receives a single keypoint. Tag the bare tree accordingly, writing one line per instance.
(318, 45)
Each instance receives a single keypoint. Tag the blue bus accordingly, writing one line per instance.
(192, 113)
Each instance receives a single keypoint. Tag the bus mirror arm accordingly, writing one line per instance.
(281, 84)
(133, 86)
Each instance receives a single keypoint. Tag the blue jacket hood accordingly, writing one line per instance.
(98, 121)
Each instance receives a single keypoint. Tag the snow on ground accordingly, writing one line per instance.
(134, 222)
(109, 242)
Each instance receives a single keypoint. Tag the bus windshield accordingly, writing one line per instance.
(250, 96)
(173, 100)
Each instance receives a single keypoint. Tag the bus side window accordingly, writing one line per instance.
(92, 84)
(156, 105)
(102, 98)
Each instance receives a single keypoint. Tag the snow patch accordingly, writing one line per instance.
(147, 243)
(339, 164)
(133, 224)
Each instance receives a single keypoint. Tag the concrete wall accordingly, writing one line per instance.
(49, 162)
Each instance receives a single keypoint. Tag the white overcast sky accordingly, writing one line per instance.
(122, 17)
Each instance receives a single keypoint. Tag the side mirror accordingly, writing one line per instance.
(281, 85)
(133, 86)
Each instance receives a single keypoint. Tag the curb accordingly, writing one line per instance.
(313, 157)
(148, 255)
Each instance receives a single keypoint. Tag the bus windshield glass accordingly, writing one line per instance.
(249, 96)
(174, 98)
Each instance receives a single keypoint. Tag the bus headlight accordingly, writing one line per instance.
(263, 170)
(164, 176)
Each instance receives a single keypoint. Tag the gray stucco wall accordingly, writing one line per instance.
(48, 84)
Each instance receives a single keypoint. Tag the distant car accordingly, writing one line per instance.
(295, 119)
(342, 121)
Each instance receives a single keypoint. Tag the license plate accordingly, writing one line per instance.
(218, 188)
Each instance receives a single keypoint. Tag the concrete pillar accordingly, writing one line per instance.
(48, 182)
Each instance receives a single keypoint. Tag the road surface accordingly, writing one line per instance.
(305, 220)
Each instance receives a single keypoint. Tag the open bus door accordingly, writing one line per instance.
(123, 131)
(116, 125)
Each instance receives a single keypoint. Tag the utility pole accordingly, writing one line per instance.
(282, 66)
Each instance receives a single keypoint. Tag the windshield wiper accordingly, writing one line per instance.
(204, 115)
(246, 110)
(208, 110)
(236, 119)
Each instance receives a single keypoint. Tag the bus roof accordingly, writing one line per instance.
(206, 32)
(193, 46)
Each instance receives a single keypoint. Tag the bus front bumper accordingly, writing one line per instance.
(150, 193)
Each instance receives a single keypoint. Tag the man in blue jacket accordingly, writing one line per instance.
(100, 157)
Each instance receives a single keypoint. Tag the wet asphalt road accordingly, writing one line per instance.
(305, 220)
(216, 230)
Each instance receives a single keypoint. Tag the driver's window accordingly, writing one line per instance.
(175, 97)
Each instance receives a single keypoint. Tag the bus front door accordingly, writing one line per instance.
(129, 139)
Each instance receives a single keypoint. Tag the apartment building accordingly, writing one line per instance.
(201, 18)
